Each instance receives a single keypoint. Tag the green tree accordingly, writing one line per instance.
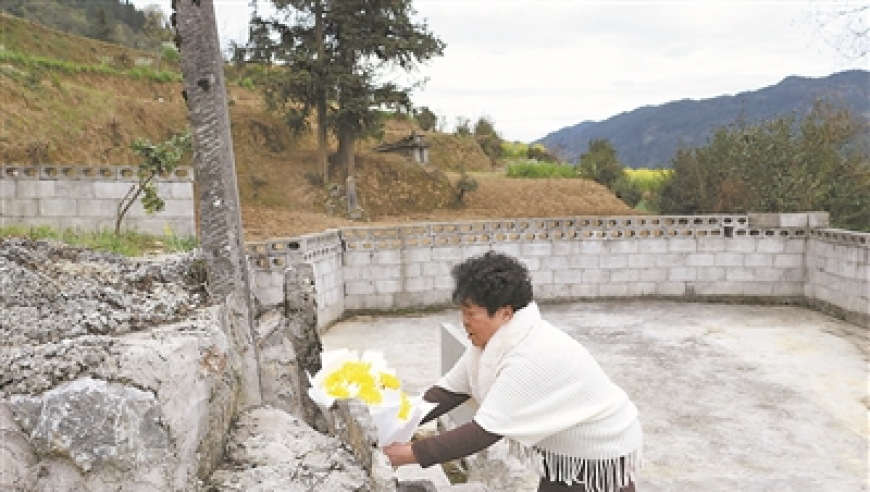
(156, 26)
(488, 138)
(627, 190)
(789, 164)
(599, 163)
(540, 153)
(463, 127)
(157, 159)
(335, 51)
(427, 120)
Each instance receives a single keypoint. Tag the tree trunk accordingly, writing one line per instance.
(221, 239)
(346, 141)
(322, 162)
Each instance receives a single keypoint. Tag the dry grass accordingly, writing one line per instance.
(92, 120)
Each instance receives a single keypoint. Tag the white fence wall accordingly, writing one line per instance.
(753, 257)
(87, 197)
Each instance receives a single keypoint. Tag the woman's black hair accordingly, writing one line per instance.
(492, 280)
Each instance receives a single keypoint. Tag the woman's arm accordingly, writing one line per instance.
(462, 441)
(446, 400)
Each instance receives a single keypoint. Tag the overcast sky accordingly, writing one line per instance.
(535, 67)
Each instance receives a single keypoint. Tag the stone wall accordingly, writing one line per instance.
(778, 258)
(87, 198)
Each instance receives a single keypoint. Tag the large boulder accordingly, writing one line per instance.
(115, 374)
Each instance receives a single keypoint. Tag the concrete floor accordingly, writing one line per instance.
(749, 398)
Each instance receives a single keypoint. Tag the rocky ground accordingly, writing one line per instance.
(61, 307)
(117, 374)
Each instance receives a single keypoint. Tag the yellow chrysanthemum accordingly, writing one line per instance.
(370, 395)
(338, 391)
(404, 407)
(389, 381)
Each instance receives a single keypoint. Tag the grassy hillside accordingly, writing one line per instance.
(74, 100)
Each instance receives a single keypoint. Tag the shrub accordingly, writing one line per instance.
(540, 153)
(465, 185)
(627, 190)
(540, 170)
(170, 54)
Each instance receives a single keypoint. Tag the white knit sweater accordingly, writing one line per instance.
(542, 389)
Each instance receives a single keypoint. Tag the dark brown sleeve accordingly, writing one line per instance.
(454, 444)
(446, 400)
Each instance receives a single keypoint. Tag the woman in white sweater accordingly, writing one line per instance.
(534, 385)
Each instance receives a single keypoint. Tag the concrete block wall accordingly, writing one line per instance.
(269, 261)
(87, 197)
(838, 273)
(720, 257)
(580, 258)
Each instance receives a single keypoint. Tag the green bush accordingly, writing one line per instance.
(464, 186)
(247, 83)
(534, 169)
(514, 150)
(170, 54)
(540, 153)
(627, 190)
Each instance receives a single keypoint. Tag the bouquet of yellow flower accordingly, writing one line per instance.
(344, 374)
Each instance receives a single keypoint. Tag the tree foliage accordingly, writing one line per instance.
(157, 159)
(116, 21)
(540, 153)
(599, 163)
(427, 119)
(463, 127)
(819, 162)
(332, 54)
(488, 138)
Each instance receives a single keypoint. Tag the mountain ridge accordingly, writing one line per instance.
(648, 136)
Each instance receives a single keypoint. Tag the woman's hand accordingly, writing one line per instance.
(400, 454)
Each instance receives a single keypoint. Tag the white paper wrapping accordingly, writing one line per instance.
(385, 414)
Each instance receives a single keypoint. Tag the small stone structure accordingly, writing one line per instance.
(768, 258)
(413, 147)
(87, 197)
